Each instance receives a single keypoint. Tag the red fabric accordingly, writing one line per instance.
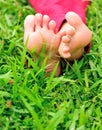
(86, 3)
(57, 9)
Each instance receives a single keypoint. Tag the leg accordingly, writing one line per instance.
(78, 36)
(38, 30)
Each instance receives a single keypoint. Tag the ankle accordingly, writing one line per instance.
(53, 64)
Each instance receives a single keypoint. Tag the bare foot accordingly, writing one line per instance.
(39, 31)
(77, 37)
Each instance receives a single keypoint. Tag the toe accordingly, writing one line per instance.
(70, 30)
(52, 25)
(73, 19)
(38, 21)
(46, 19)
(64, 50)
(29, 23)
(66, 39)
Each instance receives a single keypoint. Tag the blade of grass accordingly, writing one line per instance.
(33, 113)
(56, 119)
(35, 99)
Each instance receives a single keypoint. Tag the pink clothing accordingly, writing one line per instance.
(56, 9)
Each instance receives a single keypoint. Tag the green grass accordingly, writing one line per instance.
(31, 101)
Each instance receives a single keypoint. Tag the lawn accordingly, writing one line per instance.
(31, 101)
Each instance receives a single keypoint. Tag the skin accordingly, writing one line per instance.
(39, 31)
(78, 36)
(68, 43)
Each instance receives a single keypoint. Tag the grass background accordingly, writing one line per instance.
(30, 101)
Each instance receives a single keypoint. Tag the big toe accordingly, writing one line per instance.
(73, 19)
(29, 23)
(82, 31)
